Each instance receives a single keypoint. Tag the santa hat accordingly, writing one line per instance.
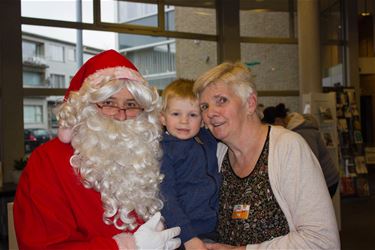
(106, 64)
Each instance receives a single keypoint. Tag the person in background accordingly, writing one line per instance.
(267, 199)
(275, 115)
(307, 126)
(97, 185)
(192, 179)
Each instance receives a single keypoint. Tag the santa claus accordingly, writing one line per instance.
(95, 185)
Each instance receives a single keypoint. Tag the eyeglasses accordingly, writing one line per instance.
(131, 109)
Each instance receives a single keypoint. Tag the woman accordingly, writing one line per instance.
(273, 193)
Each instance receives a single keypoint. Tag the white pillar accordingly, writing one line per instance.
(310, 75)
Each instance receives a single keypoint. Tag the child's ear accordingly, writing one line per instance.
(162, 118)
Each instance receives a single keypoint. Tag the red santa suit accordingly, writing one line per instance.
(53, 209)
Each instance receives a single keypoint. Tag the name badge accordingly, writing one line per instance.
(241, 212)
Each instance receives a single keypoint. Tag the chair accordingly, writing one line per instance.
(12, 240)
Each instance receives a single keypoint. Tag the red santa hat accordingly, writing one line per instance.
(106, 64)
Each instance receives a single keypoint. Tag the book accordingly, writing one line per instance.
(325, 114)
(342, 125)
(362, 186)
(355, 110)
(370, 155)
(350, 168)
(350, 93)
(357, 135)
(347, 112)
(347, 186)
(357, 124)
(360, 164)
(344, 140)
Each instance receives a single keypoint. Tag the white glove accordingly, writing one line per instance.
(149, 237)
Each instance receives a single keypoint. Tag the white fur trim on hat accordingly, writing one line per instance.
(114, 73)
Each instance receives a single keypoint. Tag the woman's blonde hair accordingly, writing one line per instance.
(182, 88)
(236, 75)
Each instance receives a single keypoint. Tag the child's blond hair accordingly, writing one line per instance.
(182, 88)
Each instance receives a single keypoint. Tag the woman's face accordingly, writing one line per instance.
(223, 111)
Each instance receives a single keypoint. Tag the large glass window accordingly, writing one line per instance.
(144, 14)
(57, 10)
(161, 54)
(155, 61)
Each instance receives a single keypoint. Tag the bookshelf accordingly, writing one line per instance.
(354, 178)
(323, 107)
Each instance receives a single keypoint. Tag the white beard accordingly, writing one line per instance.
(121, 160)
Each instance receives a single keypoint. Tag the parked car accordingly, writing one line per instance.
(34, 137)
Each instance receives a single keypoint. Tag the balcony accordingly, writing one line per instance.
(35, 61)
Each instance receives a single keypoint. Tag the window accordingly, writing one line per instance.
(56, 53)
(71, 55)
(153, 49)
(31, 49)
(57, 81)
(33, 114)
(132, 11)
(32, 78)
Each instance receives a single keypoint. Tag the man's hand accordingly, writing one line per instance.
(149, 236)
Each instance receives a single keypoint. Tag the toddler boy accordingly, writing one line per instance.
(191, 184)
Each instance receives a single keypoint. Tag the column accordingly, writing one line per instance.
(228, 30)
(11, 123)
(310, 75)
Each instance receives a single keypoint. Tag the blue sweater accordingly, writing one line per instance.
(190, 189)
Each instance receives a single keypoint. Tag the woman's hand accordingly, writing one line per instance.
(195, 244)
(218, 246)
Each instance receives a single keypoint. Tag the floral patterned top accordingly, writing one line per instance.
(249, 212)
